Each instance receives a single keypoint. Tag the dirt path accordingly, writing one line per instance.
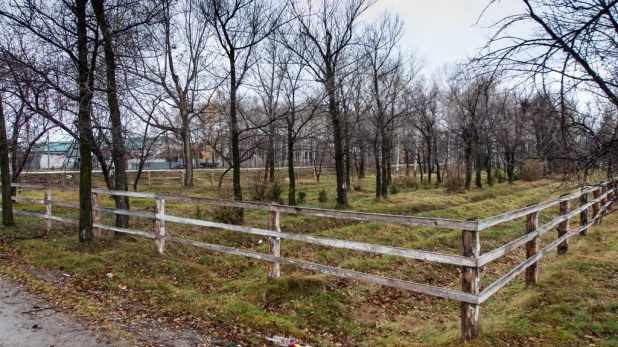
(43, 327)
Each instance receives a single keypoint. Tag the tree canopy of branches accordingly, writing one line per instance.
(573, 45)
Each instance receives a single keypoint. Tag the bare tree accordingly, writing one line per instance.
(425, 119)
(326, 32)
(64, 32)
(571, 49)
(269, 89)
(240, 26)
(173, 58)
(302, 106)
(7, 206)
(119, 155)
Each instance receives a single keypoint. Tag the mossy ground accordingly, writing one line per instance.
(576, 301)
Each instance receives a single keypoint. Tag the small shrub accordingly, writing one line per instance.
(274, 193)
(257, 187)
(393, 188)
(501, 176)
(322, 196)
(517, 175)
(225, 214)
(531, 170)
(405, 182)
(454, 181)
(198, 213)
(357, 188)
(301, 197)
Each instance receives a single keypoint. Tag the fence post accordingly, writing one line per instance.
(96, 215)
(597, 205)
(583, 216)
(274, 244)
(532, 247)
(563, 227)
(48, 210)
(212, 178)
(160, 224)
(148, 177)
(470, 277)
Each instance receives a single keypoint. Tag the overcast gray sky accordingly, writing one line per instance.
(444, 31)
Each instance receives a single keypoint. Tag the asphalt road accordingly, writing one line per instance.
(44, 327)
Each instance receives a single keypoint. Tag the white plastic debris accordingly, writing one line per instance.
(110, 275)
(286, 341)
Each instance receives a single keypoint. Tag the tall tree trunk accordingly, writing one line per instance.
(468, 161)
(84, 125)
(187, 150)
(510, 165)
(488, 164)
(420, 164)
(291, 175)
(235, 135)
(385, 158)
(333, 108)
(438, 173)
(271, 154)
(406, 158)
(376, 154)
(119, 154)
(437, 161)
(361, 165)
(7, 202)
(348, 178)
(428, 160)
(389, 166)
(479, 160)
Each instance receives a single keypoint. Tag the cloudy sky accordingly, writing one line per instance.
(445, 31)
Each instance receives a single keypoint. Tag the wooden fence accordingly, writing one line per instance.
(471, 259)
(163, 176)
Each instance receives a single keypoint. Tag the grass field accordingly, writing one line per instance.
(575, 303)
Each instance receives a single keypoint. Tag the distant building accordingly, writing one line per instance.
(160, 153)
(54, 155)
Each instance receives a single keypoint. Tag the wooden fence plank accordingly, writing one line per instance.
(125, 212)
(48, 211)
(595, 208)
(29, 213)
(126, 231)
(351, 274)
(470, 277)
(358, 246)
(563, 227)
(505, 249)
(96, 215)
(274, 244)
(351, 215)
(63, 204)
(583, 215)
(532, 247)
(160, 224)
(65, 220)
(522, 212)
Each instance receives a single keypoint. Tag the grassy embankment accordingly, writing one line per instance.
(576, 301)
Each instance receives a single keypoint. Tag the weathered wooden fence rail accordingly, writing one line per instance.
(161, 176)
(471, 259)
